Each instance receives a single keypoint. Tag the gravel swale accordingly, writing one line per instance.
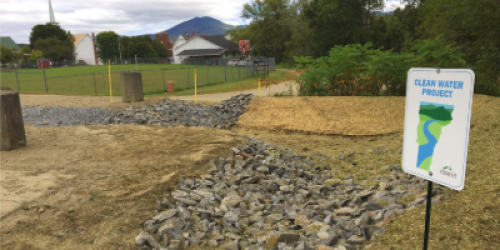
(267, 197)
(165, 113)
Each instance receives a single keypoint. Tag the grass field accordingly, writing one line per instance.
(94, 80)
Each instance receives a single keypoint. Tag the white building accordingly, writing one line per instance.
(85, 49)
(203, 47)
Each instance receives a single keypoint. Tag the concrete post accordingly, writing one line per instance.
(131, 84)
(12, 125)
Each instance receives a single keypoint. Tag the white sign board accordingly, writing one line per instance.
(437, 122)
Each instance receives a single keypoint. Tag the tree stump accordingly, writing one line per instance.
(12, 125)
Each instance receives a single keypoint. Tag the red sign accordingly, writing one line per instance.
(242, 45)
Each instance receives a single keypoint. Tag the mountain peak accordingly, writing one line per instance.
(204, 25)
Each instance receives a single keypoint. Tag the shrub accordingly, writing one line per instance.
(360, 70)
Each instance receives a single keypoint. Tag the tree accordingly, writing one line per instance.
(147, 39)
(475, 26)
(25, 49)
(55, 49)
(159, 48)
(35, 55)
(144, 50)
(339, 22)
(17, 56)
(53, 41)
(6, 55)
(124, 43)
(44, 31)
(300, 40)
(268, 30)
(107, 45)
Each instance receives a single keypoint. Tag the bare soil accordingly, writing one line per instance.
(92, 187)
(84, 101)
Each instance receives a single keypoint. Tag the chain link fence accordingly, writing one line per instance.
(154, 81)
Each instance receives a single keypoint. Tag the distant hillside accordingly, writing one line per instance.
(203, 25)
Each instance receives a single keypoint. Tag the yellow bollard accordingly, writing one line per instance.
(194, 85)
(259, 85)
(109, 73)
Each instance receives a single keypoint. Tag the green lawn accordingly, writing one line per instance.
(94, 80)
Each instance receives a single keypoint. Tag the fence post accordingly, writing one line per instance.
(208, 74)
(163, 75)
(17, 80)
(45, 79)
(239, 76)
(95, 86)
(225, 73)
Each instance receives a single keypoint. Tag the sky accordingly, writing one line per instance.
(125, 17)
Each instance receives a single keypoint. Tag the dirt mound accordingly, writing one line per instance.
(92, 187)
(327, 115)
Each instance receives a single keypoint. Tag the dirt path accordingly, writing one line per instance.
(92, 187)
(271, 90)
(83, 101)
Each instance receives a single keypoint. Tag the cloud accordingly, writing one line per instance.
(126, 17)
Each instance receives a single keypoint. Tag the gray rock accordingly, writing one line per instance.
(363, 220)
(142, 238)
(231, 217)
(164, 215)
(263, 169)
(174, 245)
(188, 202)
(356, 240)
(376, 216)
(330, 240)
(213, 243)
(289, 238)
(276, 217)
(235, 151)
(345, 211)
(231, 245)
(145, 239)
(150, 227)
(164, 203)
(372, 206)
(144, 247)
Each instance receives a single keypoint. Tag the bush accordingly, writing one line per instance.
(361, 70)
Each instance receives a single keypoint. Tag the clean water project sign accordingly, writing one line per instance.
(437, 123)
